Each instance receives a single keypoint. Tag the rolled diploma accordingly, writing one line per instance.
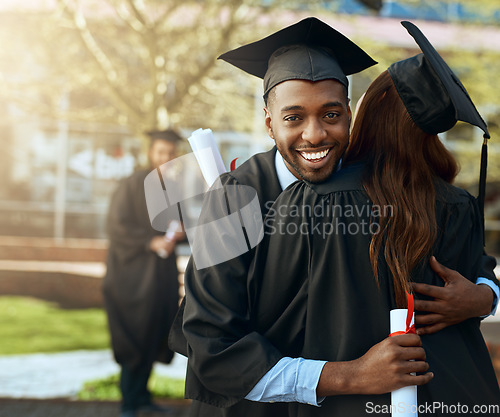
(403, 400)
(207, 154)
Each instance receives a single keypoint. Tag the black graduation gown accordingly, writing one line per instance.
(141, 290)
(220, 382)
(243, 315)
(325, 304)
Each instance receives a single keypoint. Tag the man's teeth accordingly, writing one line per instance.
(315, 155)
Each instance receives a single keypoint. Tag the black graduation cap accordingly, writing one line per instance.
(308, 50)
(432, 93)
(434, 96)
(169, 135)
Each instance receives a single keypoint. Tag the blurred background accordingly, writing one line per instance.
(81, 81)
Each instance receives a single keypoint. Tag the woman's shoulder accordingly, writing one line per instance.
(347, 178)
(449, 194)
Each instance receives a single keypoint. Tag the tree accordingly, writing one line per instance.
(145, 64)
(149, 64)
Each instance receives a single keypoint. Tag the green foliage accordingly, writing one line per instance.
(28, 326)
(107, 389)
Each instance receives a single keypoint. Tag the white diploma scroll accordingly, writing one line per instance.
(403, 400)
(207, 154)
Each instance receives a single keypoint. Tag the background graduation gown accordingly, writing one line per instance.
(309, 295)
(141, 290)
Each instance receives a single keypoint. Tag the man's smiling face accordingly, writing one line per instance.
(309, 121)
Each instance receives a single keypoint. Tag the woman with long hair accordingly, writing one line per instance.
(403, 165)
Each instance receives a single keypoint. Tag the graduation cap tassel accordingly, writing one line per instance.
(482, 179)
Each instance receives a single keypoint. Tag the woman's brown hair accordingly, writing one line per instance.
(402, 162)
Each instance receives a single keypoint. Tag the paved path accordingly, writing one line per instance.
(34, 408)
(44, 385)
(62, 375)
(60, 408)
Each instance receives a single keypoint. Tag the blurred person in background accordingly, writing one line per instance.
(141, 289)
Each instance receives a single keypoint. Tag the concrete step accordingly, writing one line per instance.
(39, 248)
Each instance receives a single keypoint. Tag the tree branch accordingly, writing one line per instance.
(223, 44)
(124, 14)
(138, 15)
(103, 63)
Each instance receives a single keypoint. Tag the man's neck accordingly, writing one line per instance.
(285, 177)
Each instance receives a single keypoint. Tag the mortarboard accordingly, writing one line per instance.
(434, 96)
(431, 92)
(169, 135)
(308, 50)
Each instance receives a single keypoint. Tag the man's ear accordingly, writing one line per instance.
(349, 112)
(268, 122)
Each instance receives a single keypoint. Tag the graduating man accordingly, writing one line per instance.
(141, 289)
(240, 363)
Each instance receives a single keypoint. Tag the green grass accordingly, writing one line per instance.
(107, 389)
(29, 325)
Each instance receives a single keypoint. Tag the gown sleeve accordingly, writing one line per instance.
(487, 276)
(461, 234)
(226, 356)
(488, 264)
(457, 354)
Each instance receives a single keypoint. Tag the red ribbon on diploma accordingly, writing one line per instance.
(233, 164)
(410, 328)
